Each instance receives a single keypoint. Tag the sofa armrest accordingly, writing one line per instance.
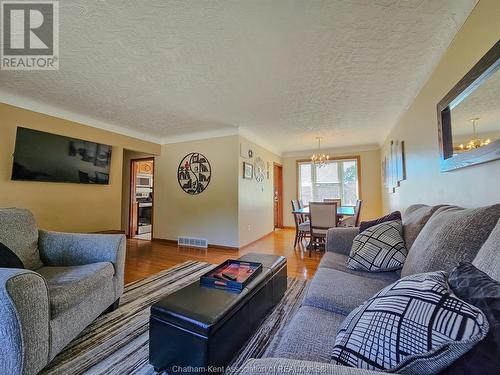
(283, 366)
(74, 249)
(339, 240)
(24, 322)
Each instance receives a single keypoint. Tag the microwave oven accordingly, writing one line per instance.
(144, 180)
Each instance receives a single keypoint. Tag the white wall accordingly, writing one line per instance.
(370, 180)
(473, 186)
(256, 202)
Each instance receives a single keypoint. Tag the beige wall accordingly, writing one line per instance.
(255, 203)
(213, 214)
(469, 187)
(63, 206)
(370, 182)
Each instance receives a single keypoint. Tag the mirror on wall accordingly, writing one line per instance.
(469, 116)
(475, 122)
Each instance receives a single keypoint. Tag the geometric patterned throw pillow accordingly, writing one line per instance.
(413, 326)
(379, 248)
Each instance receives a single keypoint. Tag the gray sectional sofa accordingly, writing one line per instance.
(68, 281)
(335, 290)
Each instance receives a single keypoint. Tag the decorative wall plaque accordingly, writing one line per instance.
(194, 173)
(259, 169)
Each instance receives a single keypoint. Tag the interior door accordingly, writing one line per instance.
(132, 217)
(137, 167)
(278, 195)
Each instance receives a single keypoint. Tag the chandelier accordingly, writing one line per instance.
(319, 159)
(475, 142)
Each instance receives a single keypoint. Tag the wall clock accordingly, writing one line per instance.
(259, 169)
(194, 173)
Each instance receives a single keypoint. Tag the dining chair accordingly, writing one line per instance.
(323, 216)
(337, 200)
(353, 221)
(301, 205)
(302, 227)
(357, 213)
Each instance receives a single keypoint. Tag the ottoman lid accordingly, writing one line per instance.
(268, 260)
(202, 309)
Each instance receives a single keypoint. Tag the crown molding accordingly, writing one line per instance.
(252, 137)
(196, 136)
(332, 151)
(40, 107)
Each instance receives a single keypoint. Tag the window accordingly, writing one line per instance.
(337, 179)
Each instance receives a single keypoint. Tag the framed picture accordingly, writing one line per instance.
(400, 161)
(394, 173)
(387, 170)
(393, 165)
(247, 170)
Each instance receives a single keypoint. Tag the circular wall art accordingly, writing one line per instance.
(194, 173)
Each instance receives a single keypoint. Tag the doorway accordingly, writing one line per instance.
(278, 195)
(141, 198)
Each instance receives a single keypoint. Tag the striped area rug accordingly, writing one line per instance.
(117, 343)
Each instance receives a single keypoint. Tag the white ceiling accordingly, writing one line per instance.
(284, 71)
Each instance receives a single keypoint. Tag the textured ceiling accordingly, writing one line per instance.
(284, 70)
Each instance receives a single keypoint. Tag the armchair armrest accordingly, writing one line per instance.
(24, 322)
(339, 240)
(74, 249)
(283, 366)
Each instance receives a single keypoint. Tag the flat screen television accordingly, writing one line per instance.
(40, 156)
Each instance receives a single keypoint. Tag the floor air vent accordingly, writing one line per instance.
(192, 242)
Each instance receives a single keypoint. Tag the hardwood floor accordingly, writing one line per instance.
(145, 258)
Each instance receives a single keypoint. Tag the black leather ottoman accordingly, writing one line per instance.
(199, 330)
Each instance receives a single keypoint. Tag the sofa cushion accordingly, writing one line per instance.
(18, 231)
(488, 257)
(414, 326)
(312, 342)
(477, 288)
(364, 225)
(339, 262)
(453, 234)
(340, 292)
(414, 219)
(68, 286)
(379, 248)
(339, 240)
(9, 259)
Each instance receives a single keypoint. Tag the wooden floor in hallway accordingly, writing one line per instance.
(145, 258)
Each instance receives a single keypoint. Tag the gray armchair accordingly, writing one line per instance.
(69, 280)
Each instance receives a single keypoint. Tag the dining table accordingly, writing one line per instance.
(341, 211)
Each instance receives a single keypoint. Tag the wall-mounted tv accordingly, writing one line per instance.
(40, 156)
